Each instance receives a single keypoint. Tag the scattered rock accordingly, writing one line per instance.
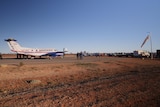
(5, 92)
(33, 81)
(3, 65)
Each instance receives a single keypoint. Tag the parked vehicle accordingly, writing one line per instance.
(141, 53)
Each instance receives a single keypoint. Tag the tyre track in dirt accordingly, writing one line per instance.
(100, 88)
(66, 85)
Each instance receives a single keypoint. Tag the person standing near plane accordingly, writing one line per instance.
(0, 56)
(77, 55)
(81, 55)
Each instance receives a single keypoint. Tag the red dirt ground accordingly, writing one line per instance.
(121, 82)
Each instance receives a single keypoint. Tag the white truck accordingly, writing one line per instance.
(141, 53)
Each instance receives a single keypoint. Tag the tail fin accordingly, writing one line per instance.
(14, 46)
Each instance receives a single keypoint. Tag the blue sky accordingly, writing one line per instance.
(81, 25)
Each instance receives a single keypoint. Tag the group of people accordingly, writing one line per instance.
(80, 55)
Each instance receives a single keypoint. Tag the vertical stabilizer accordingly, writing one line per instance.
(13, 45)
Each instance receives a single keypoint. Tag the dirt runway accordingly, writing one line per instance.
(91, 82)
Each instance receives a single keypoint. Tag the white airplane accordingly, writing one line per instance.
(33, 52)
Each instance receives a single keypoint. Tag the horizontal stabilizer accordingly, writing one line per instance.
(8, 40)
